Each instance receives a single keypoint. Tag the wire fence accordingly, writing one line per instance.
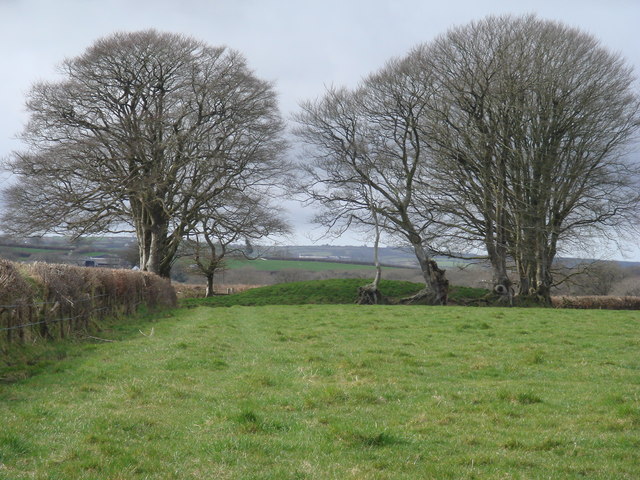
(54, 301)
(48, 321)
(56, 318)
(51, 302)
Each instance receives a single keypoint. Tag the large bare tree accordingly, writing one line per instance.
(368, 152)
(143, 130)
(529, 125)
(231, 227)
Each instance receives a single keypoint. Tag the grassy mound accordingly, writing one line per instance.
(333, 291)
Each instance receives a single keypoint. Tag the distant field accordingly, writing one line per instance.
(61, 252)
(95, 254)
(277, 265)
(30, 250)
(334, 392)
(316, 266)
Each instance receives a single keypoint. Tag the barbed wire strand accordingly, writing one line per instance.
(57, 320)
(53, 302)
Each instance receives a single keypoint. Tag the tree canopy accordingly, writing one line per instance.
(144, 130)
(366, 153)
(529, 128)
(508, 134)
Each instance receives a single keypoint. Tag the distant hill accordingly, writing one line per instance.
(63, 250)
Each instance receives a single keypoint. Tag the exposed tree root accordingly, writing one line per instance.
(504, 293)
(369, 295)
(423, 297)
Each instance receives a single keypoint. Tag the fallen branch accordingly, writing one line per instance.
(150, 333)
(101, 339)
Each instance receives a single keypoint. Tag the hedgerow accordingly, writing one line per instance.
(597, 302)
(42, 300)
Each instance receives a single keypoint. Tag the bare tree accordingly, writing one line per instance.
(529, 125)
(628, 287)
(368, 152)
(143, 131)
(592, 278)
(231, 227)
(370, 294)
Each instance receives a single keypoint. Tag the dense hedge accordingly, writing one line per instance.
(43, 300)
(597, 302)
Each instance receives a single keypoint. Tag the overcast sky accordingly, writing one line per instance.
(301, 45)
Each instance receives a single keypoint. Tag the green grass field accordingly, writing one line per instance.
(29, 250)
(333, 392)
(277, 265)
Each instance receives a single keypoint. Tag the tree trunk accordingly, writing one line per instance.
(437, 290)
(209, 291)
(154, 255)
(155, 247)
(544, 280)
(370, 294)
(502, 284)
(496, 236)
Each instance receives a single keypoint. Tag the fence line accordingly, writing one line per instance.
(47, 321)
(55, 320)
(54, 302)
(50, 321)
